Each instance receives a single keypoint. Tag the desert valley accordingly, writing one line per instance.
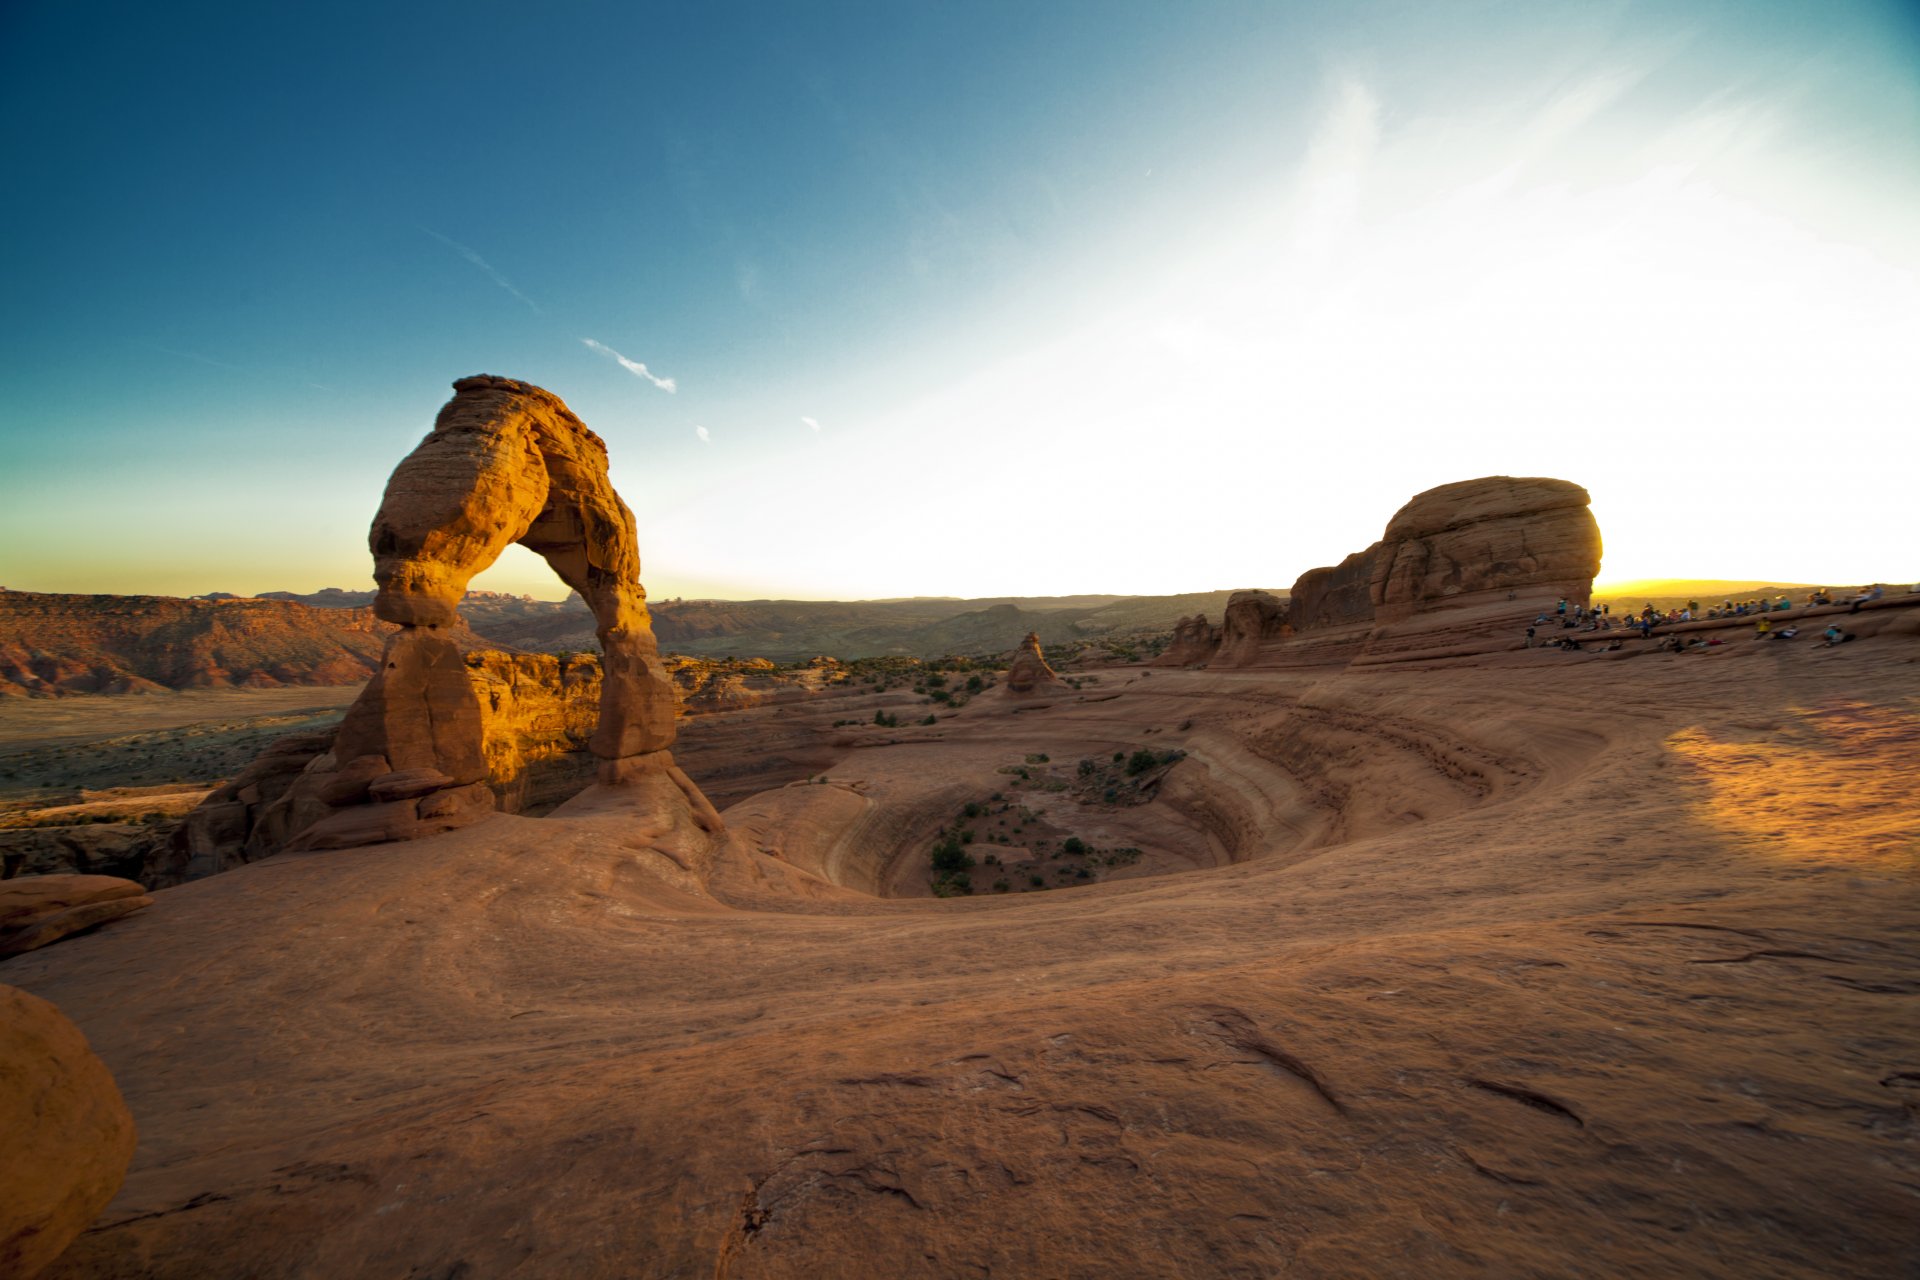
(990, 641)
(1415, 912)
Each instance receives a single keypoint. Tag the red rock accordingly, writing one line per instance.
(1193, 645)
(68, 1135)
(36, 910)
(1253, 618)
(1029, 673)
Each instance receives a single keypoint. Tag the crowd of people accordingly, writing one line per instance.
(1579, 618)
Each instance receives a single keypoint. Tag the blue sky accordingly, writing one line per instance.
(963, 299)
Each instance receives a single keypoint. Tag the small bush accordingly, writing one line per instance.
(1073, 844)
(1040, 758)
(1141, 761)
(1038, 881)
(1001, 886)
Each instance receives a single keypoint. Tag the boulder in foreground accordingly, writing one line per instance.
(68, 1134)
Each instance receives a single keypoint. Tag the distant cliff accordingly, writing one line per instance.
(64, 644)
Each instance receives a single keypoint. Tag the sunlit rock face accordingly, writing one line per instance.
(506, 462)
(1194, 642)
(1029, 673)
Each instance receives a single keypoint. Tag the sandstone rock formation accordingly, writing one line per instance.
(36, 910)
(1029, 673)
(69, 1137)
(1336, 596)
(56, 645)
(1194, 643)
(1468, 543)
(506, 462)
(1253, 618)
(1496, 534)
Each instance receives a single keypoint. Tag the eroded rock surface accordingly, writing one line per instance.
(1496, 534)
(1029, 673)
(68, 1135)
(506, 462)
(1194, 643)
(1253, 618)
(37, 910)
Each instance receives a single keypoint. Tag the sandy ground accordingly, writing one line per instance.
(1526, 966)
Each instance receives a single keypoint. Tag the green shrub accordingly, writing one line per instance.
(1141, 761)
(1073, 844)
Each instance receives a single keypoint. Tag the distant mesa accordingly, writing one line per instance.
(506, 462)
(1028, 672)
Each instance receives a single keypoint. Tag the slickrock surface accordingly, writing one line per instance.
(37, 910)
(1529, 965)
(1029, 673)
(68, 1136)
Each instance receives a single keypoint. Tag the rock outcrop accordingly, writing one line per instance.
(1193, 645)
(1253, 618)
(506, 462)
(36, 910)
(69, 1137)
(1498, 534)
(1337, 596)
(1029, 673)
(1474, 542)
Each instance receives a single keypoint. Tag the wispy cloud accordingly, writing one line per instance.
(810, 422)
(485, 266)
(633, 367)
(702, 433)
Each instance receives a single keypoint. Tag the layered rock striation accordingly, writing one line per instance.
(1253, 618)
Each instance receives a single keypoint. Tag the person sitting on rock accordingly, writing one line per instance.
(1833, 635)
(1762, 629)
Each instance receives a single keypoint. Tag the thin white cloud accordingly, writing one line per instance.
(485, 266)
(810, 422)
(633, 367)
(702, 433)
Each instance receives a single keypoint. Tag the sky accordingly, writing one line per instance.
(980, 299)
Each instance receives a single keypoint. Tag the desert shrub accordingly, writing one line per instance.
(971, 809)
(949, 857)
(929, 720)
(974, 684)
(1073, 844)
(1001, 886)
(1038, 881)
(1141, 761)
(1087, 768)
(1037, 758)
(1118, 756)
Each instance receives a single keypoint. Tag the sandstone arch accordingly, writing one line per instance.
(506, 462)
